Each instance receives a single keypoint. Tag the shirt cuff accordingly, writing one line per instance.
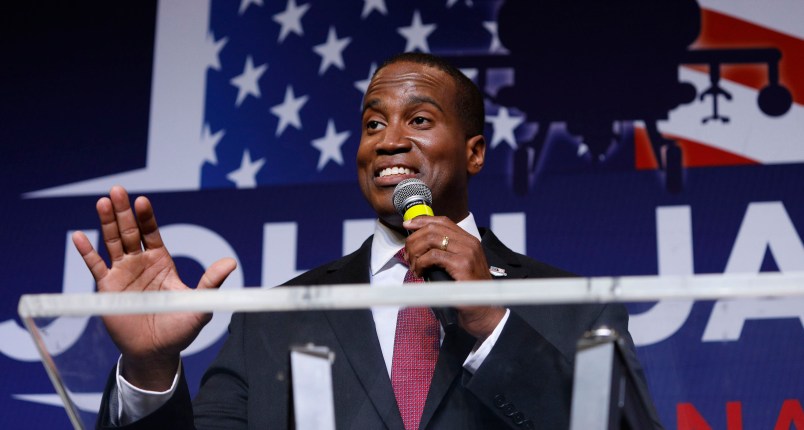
(482, 350)
(134, 403)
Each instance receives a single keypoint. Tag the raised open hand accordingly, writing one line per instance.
(150, 343)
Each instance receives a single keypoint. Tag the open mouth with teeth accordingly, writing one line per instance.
(389, 171)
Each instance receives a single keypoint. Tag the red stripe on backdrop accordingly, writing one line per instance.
(695, 154)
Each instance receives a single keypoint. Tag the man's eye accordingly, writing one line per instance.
(419, 120)
(373, 125)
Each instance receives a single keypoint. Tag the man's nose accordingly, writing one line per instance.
(393, 140)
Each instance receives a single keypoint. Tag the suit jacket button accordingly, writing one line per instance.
(500, 400)
(518, 418)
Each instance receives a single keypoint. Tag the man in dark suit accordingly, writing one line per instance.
(501, 368)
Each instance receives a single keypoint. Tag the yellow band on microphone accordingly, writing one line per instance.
(417, 210)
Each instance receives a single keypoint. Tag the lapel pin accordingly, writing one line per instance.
(496, 271)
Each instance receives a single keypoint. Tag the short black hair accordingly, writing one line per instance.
(468, 98)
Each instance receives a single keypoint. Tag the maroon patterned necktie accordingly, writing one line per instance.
(415, 355)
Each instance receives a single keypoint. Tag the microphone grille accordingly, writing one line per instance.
(411, 189)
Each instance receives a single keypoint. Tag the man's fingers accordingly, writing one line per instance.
(148, 227)
(438, 242)
(126, 222)
(217, 273)
(111, 233)
(437, 236)
(91, 258)
(438, 258)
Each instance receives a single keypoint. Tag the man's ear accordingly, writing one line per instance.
(475, 154)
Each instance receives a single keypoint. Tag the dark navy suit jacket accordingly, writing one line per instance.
(525, 381)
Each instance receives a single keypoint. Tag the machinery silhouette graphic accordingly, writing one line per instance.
(591, 65)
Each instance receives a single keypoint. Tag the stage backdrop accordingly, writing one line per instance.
(624, 138)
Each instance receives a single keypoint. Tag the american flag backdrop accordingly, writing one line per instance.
(267, 93)
(240, 119)
(283, 99)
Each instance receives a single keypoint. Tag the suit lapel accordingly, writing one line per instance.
(453, 353)
(499, 256)
(456, 346)
(357, 335)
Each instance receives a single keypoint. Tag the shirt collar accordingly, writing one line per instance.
(387, 242)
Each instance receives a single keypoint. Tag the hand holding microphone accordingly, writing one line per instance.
(412, 198)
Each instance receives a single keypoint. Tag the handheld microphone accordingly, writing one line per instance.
(413, 198)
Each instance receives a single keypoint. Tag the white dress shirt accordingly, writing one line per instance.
(386, 270)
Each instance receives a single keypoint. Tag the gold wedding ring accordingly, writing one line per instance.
(445, 243)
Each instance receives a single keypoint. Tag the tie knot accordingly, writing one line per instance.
(402, 256)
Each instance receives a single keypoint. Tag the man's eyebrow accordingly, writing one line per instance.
(371, 104)
(415, 100)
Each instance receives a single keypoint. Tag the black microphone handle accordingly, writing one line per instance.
(448, 317)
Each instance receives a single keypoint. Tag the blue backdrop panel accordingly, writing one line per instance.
(625, 139)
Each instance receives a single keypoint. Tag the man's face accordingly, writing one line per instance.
(411, 130)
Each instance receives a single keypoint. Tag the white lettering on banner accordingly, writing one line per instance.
(510, 229)
(279, 245)
(355, 232)
(61, 333)
(766, 226)
(674, 248)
